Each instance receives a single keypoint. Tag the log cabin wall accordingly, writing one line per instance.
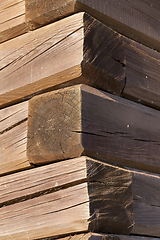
(79, 119)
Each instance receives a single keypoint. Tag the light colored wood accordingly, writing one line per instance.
(66, 200)
(79, 195)
(41, 179)
(13, 138)
(139, 20)
(42, 60)
(39, 13)
(82, 120)
(12, 19)
(54, 214)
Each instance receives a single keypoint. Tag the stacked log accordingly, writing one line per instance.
(79, 120)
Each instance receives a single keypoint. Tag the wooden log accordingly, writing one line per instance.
(79, 195)
(112, 63)
(12, 19)
(84, 128)
(82, 120)
(142, 70)
(60, 54)
(138, 19)
(13, 138)
(97, 236)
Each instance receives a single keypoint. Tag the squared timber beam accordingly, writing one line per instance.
(12, 19)
(78, 49)
(63, 53)
(82, 120)
(75, 121)
(79, 195)
(136, 19)
(13, 138)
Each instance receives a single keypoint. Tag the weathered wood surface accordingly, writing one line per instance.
(96, 236)
(78, 195)
(13, 138)
(42, 59)
(62, 53)
(142, 69)
(12, 19)
(62, 198)
(138, 19)
(82, 120)
(79, 121)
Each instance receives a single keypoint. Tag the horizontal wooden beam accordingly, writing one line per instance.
(75, 121)
(13, 138)
(82, 120)
(60, 54)
(112, 63)
(138, 19)
(79, 195)
(12, 19)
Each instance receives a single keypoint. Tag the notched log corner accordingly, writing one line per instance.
(87, 194)
(104, 59)
(111, 202)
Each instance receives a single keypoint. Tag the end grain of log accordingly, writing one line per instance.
(81, 120)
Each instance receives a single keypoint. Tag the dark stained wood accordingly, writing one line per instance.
(79, 195)
(12, 19)
(81, 120)
(139, 20)
(142, 74)
(13, 138)
(66, 197)
(58, 55)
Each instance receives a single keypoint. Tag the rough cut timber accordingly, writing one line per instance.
(137, 19)
(142, 71)
(78, 195)
(96, 236)
(82, 120)
(13, 138)
(77, 121)
(42, 60)
(12, 19)
(62, 53)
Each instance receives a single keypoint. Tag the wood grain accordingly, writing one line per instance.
(81, 120)
(79, 195)
(12, 19)
(42, 59)
(139, 20)
(142, 74)
(96, 236)
(113, 63)
(13, 133)
(73, 190)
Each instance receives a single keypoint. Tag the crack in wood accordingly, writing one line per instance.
(13, 126)
(44, 192)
